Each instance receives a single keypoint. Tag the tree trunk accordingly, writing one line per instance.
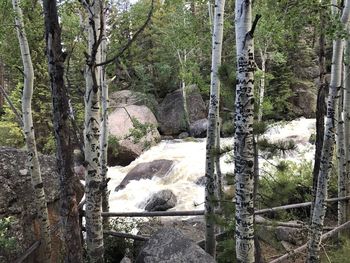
(93, 181)
(104, 125)
(262, 85)
(320, 107)
(341, 161)
(347, 120)
(28, 129)
(328, 147)
(244, 117)
(211, 186)
(69, 210)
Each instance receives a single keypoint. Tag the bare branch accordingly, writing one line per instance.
(12, 106)
(122, 50)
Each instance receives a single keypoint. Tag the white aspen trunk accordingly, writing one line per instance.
(262, 85)
(212, 182)
(93, 181)
(104, 124)
(341, 161)
(328, 147)
(346, 110)
(243, 148)
(28, 129)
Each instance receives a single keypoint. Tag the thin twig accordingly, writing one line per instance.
(12, 106)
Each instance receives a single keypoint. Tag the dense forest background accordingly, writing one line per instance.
(286, 36)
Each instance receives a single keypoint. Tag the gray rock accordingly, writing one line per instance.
(290, 235)
(169, 245)
(17, 198)
(171, 112)
(199, 128)
(200, 181)
(124, 98)
(183, 135)
(161, 201)
(159, 168)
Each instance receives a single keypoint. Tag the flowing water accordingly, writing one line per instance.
(189, 166)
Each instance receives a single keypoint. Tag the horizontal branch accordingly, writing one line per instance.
(201, 212)
(306, 204)
(152, 214)
(304, 247)
(125, 235)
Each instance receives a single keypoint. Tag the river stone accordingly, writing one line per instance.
(127, 147)
(171, 246)
(171, 112)
(199, 128)
(17, 199)
(158, 168)
(161, 201)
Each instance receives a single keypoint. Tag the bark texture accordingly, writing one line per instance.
(33, 161)
(72, 250)
(213, 183)
(347, 120)
(243, 147)
(328, 147)
(93, 183)
(104, 122)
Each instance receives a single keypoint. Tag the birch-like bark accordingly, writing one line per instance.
(28, 129)
(347, 120)
(93, 181)
(211, 186)
(328, 147)
(104, 124)
(243, 147)
(341, 161)
(262, 84)
(72, 250)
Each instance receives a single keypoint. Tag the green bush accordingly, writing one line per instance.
(286, 183)
(8, 244)
(11, 134)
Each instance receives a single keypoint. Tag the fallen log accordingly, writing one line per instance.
(304, 247)
(153, 214)
(306, 204)
(125, 235)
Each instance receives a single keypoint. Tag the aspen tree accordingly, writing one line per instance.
(319, 210)
(212, 192)
(28, 129)
(243, 146)
(93, 179)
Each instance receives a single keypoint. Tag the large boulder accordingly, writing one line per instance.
(161, 201)
(158, 168)
(124, 98)
(171, 114)
(170, 245)
(134, 129)
(199, 128)
(303, 103)
(17, 200)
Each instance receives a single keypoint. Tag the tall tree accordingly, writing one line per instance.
(93, 179)
(243, 146)
(33, 161)
(64, 151)
(346, 104)
(328, 145)
(104, 121)
(212, 186)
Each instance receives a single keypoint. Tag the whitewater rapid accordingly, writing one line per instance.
(189, 166)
